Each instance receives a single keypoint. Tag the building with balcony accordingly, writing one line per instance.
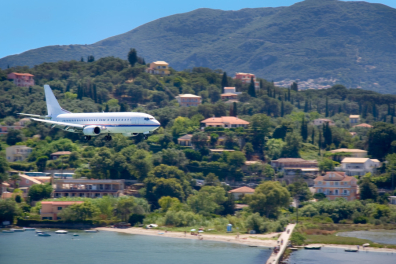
(246, 79)
(50, 210)
(188, 100)
(88, 188)
(159, 68)
(340, 154)
(229, 96)
(57, 154)
(185, 140)
(336, 184)
(358, 166)
(21, 79)
(224, 121)
(18, 153)
(354, 119)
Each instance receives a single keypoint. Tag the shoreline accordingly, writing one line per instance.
(244, 239)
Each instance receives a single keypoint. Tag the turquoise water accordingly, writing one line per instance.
(339, 256)
(111, 247)
(378, 236)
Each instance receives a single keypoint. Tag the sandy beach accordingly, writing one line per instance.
(259, 240)
(245, 239)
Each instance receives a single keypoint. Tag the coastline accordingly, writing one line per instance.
(244, 239)
(257, 240)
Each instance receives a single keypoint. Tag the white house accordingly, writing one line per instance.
(321, 121)
(354, 119)
(392, 199)
(17, 153)
(358, 166)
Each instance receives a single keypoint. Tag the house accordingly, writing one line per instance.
(224, 121)
(358, 166)
(241, 191)
(221, 150)
(22, 122)
(50, 210)
(18, 153)
(56, 155)
(354, 119)
(336, 184)
(246, 79)
(392, 199)
(4, 129)
(21, 79)
(364, 125)
(188, 100)
(185, 140)
(353, 134)
(295, 166)
(322, 121)
(159, 68)
(87, 188)
(231, 90)
(228, 96)
(354, 153)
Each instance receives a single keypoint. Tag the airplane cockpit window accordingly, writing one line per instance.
(146, 118)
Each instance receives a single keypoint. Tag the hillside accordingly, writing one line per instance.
(354, 42)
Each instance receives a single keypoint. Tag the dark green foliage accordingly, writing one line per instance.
(132, 57)
(252, 89)
(368, 190)
(14, 136)
(327, 107)
(224, 81)
(294, 87)
(8, 210)
(380, 139)
(18, 198)
(41, 163)
(304, 130)
(90, 58)
(40, 191)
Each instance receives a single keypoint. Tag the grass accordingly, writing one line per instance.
(265, 238)
(338, 240)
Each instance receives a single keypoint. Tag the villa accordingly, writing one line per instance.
(50, 210)
(21, 79)
(336, 184)
(88, 188)
(159, 68)
(224, 121)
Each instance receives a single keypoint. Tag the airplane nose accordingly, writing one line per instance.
(157, 123)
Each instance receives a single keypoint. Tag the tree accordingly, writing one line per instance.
(125, 208)
(236, 159)
(169, 203)
(299, 190)
(3, 171)
(260, 124)
(208, 200)
(327, 107)
(90, 58)
(304, 130)
(14, 136)
(8, 210)
(268, 197)
(249, 151)
(132, 57)
(326, 165)
(252, 88)
(79, 212)
(40, 191)
(274, 148)
(327, 134)
(41, 163)
(380, 139)
(235, 109)
(282, 109)
(294, 87)
(297, 239)
(292, 146)
(9, 120)
(14, 178)
(224, 81)
(82, 59)
(199, 140)
(368, 190)
(212, 180)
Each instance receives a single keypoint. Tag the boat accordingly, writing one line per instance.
(351, 250)
(75, 234)
(39, 231)
(252, 246)
(313, 248)
(293, 249)
(91, 231)
(18, 230)
(29, 229)
(7, 231)
(43, 234)
(61, 232)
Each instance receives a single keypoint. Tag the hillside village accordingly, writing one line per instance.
(228, 140)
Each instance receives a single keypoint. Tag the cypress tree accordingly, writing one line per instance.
(294, 86)
(304, 130)
(79, 92)
(288, 94)
(291, 100)
(310, 105)
(30, 89)
(282, 109)
(298, 104)
(231, 111)
(132, 57)
(123, 107)
(107, 108)
(268, 91)
(391, 120)
(91, 58)
(235, 109)
(327, 107)
(306, 106)
(252, 89)
(224, 82)
(340, 109)
(389, 109)
(375, 111)
(313, 136)
(82, 59)
(95, 95)
(261, 84)
(320, 142)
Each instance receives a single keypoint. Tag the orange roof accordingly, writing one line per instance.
(61, 153)
(225, 119)
(228, 95)
(22, 74)
(364, 125)
(243, 189)
(62, 203)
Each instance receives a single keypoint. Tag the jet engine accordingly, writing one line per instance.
(91, 130)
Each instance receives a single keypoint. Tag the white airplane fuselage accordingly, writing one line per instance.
(126, 123)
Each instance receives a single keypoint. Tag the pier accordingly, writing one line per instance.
(285, 236)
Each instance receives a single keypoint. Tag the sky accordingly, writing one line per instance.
(28, 24)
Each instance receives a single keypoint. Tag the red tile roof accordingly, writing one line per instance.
(225, 119)
(364, 125)
(243, 189)
(23, 74)
(61, 153)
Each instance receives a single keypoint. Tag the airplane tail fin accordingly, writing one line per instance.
(53, 106)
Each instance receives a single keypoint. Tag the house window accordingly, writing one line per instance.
(59, 208)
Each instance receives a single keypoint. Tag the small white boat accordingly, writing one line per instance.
(75, 234)
(91, 231)
(7, 231)
(29, 229)
(18, 230)
(61, 232)
(39, 231)
(43, 234)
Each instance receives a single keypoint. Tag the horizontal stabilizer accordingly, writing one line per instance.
(38, 116)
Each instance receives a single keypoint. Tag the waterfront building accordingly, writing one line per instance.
(50, 210)
(246, 79)
(322, 121)
(21, 79)
(358, 166)
(159, 68)
(88, 188)
(241, 191)
(57, 154)
(336, 184)
(18, 153)
(224, 121)
(188, 100)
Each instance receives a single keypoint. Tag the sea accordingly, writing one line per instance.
(112, 247)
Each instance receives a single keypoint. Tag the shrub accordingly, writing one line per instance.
(360, 220)
(297, 239)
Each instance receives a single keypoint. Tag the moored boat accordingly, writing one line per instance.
(91, 231)
(18, 230)
(312, 248)
(29, 229)
(351, 250)
(7, 231)
(43, 234)
(61, 232)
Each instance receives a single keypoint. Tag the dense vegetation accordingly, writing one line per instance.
(280, 126)
(353, 42)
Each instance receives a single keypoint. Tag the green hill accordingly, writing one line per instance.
(354, 42)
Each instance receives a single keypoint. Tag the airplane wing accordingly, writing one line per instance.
(65, 126)
(38, 116)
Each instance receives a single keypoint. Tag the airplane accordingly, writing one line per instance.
(93, 124)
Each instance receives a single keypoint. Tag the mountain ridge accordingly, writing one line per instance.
(353, 42)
